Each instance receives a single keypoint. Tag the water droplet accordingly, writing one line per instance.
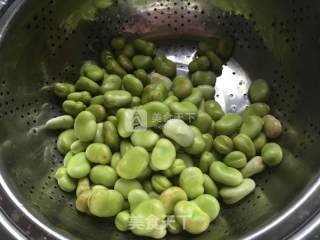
(233, 108)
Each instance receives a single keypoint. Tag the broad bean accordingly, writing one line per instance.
(231, 195)
(191, 181)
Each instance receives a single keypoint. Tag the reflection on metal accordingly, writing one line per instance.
(284, 198)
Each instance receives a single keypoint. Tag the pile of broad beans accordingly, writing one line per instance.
(154, 149)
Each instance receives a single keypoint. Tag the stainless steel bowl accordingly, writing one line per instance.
(42, 42)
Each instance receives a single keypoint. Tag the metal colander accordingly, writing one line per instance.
(42, 42)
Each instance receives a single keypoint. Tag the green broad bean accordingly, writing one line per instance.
(135, 102)
(171, 196)
(150, 215)
(170, 99)
(191, 181)
(176, 168)
(83, 96)
(260, 141)
(145, 138)
(122, 221)
(147, 186)
(272, 126)
(125, 186)
(106, 56)
(164, 66)
(206, 45)
(98, 153)
(82, 201)
(111, 82)
(189, 215)
(103, 175)
(235, 159)
(244, 144)
(254, 166)
(163, 155)
(199, 64)
(272, 154)
(198, 145)
(78, 166)
(116, 157)
(86, 84)
(209, 205)
(98, 111)
(155, 109)
(125, 63)
(97, 100)
(259, 91)
(158, 78)
(133, 163)
(209, 186)
(154, 195)
(117, 98)
(105, 203)
(258, 109)
(113, 67)
(137, 196)
(228, 124)
(118, 43)
(223, 144)
(113, 119)
(63, 89)
(154, 92)
(179, 131)
(144, 47)
(92, 71)
(207, 91)
(142, 62)
(214, 109)
(66, 158)
(215, 62)
(232, 195)
(160, 183)
(225, 47)
(132, 85)
(125, 117)
(128, 50)
(184, 110)
(125, 146)
(174, 227)
(203, 78)
(73, 108)
(83, 185)
(228, 176)
(99, 134)
(206, 159)
(111, 136)
(212, 129)
(61, 122)
(65, 140)
(195, 97)
(252, 126)
(95, 187)
(65, 182)
(203, 122)
(182, 86)
(85, 126)
(208, 139)
(78, 146)
(143, 76)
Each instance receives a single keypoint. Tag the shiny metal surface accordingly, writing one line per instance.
(43, 42)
